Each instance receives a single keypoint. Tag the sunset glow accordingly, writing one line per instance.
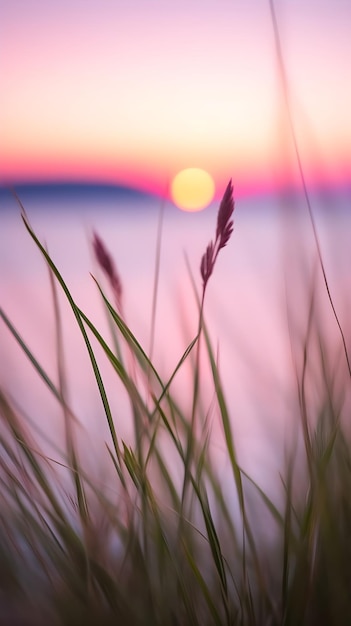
(128, 95)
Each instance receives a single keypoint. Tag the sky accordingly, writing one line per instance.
(132, 92)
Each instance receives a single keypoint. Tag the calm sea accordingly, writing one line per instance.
(257, 308)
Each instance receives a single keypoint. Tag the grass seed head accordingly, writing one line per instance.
(224, 224)
(106, 263)
(224, 230)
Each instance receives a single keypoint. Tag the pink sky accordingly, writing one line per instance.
(132, 92)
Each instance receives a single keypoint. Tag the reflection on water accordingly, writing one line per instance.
(257, 310)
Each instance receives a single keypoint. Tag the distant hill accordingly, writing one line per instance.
(79, 191)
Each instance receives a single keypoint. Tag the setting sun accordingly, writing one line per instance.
(192, 189)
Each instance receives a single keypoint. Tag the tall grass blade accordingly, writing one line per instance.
(75, 310)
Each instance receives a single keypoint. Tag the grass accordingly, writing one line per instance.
(160, 544)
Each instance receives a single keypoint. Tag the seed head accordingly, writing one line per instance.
(106, 263)
(224, 223)
(223, 233)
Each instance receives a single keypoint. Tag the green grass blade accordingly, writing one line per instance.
(75, 310)
(43, 375)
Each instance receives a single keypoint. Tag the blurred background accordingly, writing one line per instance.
(103, 103)
(131, 93)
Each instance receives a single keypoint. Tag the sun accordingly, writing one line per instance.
(192, 189)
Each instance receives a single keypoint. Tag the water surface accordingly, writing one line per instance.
(257, 308)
